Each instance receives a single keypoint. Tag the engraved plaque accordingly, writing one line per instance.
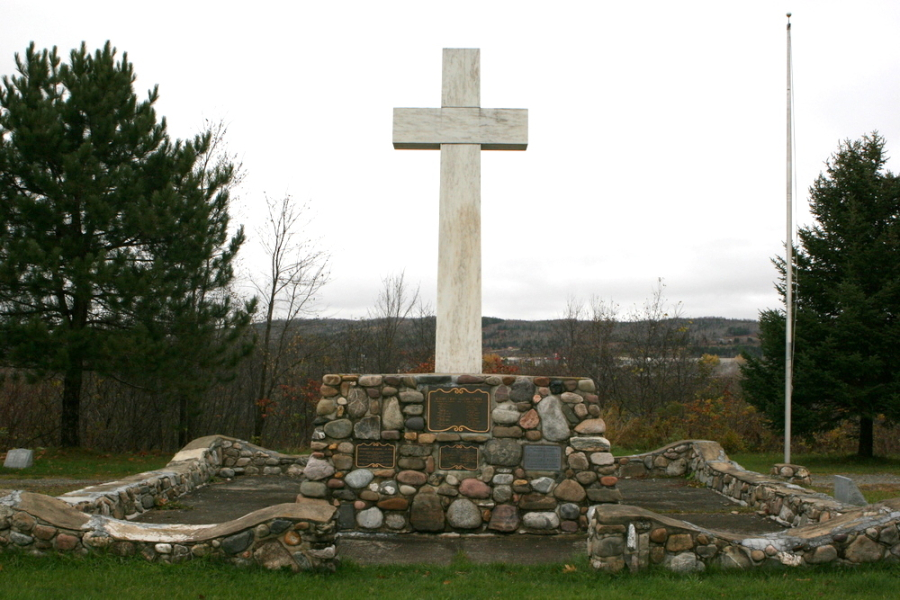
(375, 454)
(542, 458)
(459, 409)
(458, 457)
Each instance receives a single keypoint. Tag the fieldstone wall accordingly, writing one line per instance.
(501, 491)
(194, 466)
(621, 537)
(298, 536)
(706, 461)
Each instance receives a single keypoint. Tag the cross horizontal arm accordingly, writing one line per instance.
(428, 128)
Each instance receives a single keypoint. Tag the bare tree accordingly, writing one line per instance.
(393, 307)
(295, 273)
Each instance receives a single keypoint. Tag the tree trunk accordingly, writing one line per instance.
(70, 423)
(866, 437)
(184, 425)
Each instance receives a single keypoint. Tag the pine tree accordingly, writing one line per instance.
(114, 249)
(848, 303)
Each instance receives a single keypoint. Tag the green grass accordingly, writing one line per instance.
(76, 463)
(821, 464)
(67, 577)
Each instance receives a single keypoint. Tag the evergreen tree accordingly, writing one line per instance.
(848, 303)
(114, 249)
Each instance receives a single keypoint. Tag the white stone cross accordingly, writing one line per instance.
(460, 129)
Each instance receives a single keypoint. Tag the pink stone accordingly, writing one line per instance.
(474, 488)
(529, 420)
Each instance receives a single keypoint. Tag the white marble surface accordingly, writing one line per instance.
(461, 129)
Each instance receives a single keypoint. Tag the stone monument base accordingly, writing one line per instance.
(473, 453)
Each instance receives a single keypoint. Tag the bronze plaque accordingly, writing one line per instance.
(458, 457)
(538, 457)
(459, 409)
(375, 454)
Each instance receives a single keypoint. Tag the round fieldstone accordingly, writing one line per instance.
(238, 542)
(415, 478)
(392, 416)
(529, 419)
(589, 443)
(388, 487)
(415, 423)
(359, 478)
(463, 514)
(568, 511)
(473, 488)
(554, 425)
(541, 520)
(502, 493)
(368, 428)
(426, 513)
(411, 397)
(570, 490)
(521, 391)
(542, 485)
(317, 469)
(505, 414)
(504, 518)
(571, 398)
(371, 518)
(504, 452)
(340, 428)
(591, 426)
(313, 489)
(395, 521)
(357, 408)
(326, 406)
(602, 459)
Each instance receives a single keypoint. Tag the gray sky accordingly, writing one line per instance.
(656, 130)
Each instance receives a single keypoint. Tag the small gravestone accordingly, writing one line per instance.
(845, 491)
(19, 458)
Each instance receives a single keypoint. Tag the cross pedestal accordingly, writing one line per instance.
(460, 129)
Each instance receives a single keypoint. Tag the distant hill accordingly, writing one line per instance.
(514, 337)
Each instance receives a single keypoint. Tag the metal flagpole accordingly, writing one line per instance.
(789, 267)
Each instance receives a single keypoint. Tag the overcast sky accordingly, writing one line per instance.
(656, 130)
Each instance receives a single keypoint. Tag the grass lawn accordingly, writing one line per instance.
(26, 577)
(79, 464)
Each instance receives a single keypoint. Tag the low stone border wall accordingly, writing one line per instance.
(194, 466)
(621, 536)
(297, 536)
(706, 461)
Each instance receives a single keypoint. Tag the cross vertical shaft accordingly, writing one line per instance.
(461, 129)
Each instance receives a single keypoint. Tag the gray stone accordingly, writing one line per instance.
(522, 391)
(863, 549)
(426, 513)
(395, 521)
(237, 542)
(822, 554)
(554, 425)
(391, 416)
(368, 428)
(686, 562)
(19, 458)
(338, 429)
(411, 396)
(20, 539)
(612, 545)
(845, 491)
(542, 484)
(371, 518)
(568, 511)
(359, 478)
(464, 514)
(503, 479)
(317, 469)
(504, 452)
(313, 489)
(357, 407)
(506, 414)
(415, 423)
(733, 557)
(589, 443)
(502, 493)
(541, 520)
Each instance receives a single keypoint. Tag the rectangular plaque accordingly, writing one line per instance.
(459, 409)
(375, 454)
(539, 457)
(459, 457)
